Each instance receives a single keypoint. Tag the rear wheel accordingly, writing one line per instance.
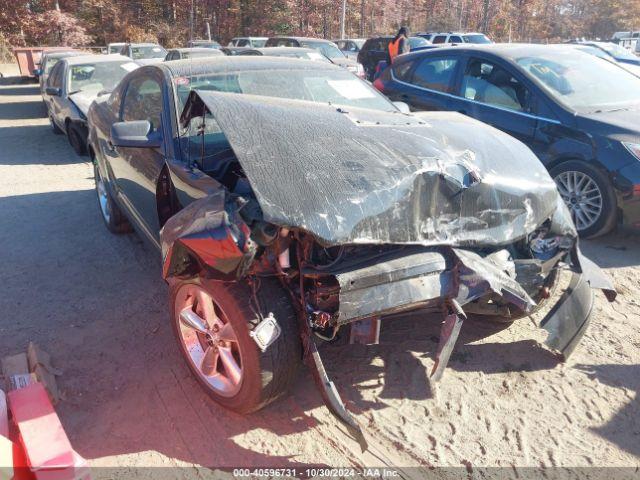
(212, 321)
(589, 195)
(113, 218)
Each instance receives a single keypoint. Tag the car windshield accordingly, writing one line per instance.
(147, 51)
(317, 56)
(617, 51)
(359, 43)
(329, 50)
(258, 43)
(98, 76)
(115, 48)
(336, 87)
(416, 42)
(478, 38)
(583, 82)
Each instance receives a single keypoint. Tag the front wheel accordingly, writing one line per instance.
(589, 195)
(77, 139)
(212, 321)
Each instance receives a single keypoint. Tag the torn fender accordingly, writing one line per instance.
(210, 231)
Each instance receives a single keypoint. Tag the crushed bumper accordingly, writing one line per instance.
(567, 321)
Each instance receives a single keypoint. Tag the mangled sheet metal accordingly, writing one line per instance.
(363, 176)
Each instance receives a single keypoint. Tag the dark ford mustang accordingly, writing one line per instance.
(282, 221)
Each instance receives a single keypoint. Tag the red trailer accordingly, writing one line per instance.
(28, 58)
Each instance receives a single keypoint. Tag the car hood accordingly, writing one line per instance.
(350, 175)
(344, 62)
(83, 99)
(621, 125)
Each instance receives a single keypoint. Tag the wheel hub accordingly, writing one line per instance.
(583, 197)
(209, 340)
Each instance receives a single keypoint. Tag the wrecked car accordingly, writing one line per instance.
(73, 84)
(282, 221)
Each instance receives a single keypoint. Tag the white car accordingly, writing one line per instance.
(253, 42)
(73, 84)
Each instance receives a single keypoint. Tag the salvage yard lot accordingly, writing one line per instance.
(97, 303)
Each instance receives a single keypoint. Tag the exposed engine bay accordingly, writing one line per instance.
(408, 212)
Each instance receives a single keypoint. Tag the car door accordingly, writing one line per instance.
(429, 85)
(58, 80)
(136, 170)
(490, 91)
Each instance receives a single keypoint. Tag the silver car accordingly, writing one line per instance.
(73, 84)
(48, 61)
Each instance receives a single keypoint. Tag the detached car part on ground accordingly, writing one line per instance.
(302, 235)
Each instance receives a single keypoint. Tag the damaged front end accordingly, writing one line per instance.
(405, 213)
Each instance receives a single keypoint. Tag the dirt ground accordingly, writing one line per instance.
(97, 303)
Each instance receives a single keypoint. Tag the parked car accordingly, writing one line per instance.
(614, 51)
(289, 52)
(376, 50)
(350, 46)
(47, 62)
(234, 50)
(115, 47)
(325, 47)
(182, 53)
(419, 211)
(203, 44)
(253, 42)
(459, 37)
(428, 36)
(73, 84)
(577, 112)
(617, 36)
(144, 53)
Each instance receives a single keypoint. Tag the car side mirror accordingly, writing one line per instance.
(53, 91)
(403, 107)
(135, 134)
(37, 72)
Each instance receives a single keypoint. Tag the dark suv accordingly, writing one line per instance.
(376, 50)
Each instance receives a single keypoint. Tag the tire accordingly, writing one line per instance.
(76, 139)
(265, 376)
(593, 187)
(111, 214)
(56, 129)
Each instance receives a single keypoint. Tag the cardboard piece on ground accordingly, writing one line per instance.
(6, 458)
(14, 365)
(40, 364)
(45, 442)
(365, 332)
(4, 416)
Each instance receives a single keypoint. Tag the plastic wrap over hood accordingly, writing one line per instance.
(351, 175)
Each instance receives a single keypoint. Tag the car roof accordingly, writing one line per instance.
(251, 38)
(304, 39)
(144, 44)
(226, 64)
(286, 49)
(511, 51)
(63, 54)
(195, 49)
(82, 59)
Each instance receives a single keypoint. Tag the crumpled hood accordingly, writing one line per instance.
(83, 99)
(352, 175)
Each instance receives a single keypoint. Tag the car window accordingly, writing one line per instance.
(439, 39)
(402, 70)
(55, 79)
(455, 39)
(488, 83)
(143, 101)
(436, 74)
(243, 42)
